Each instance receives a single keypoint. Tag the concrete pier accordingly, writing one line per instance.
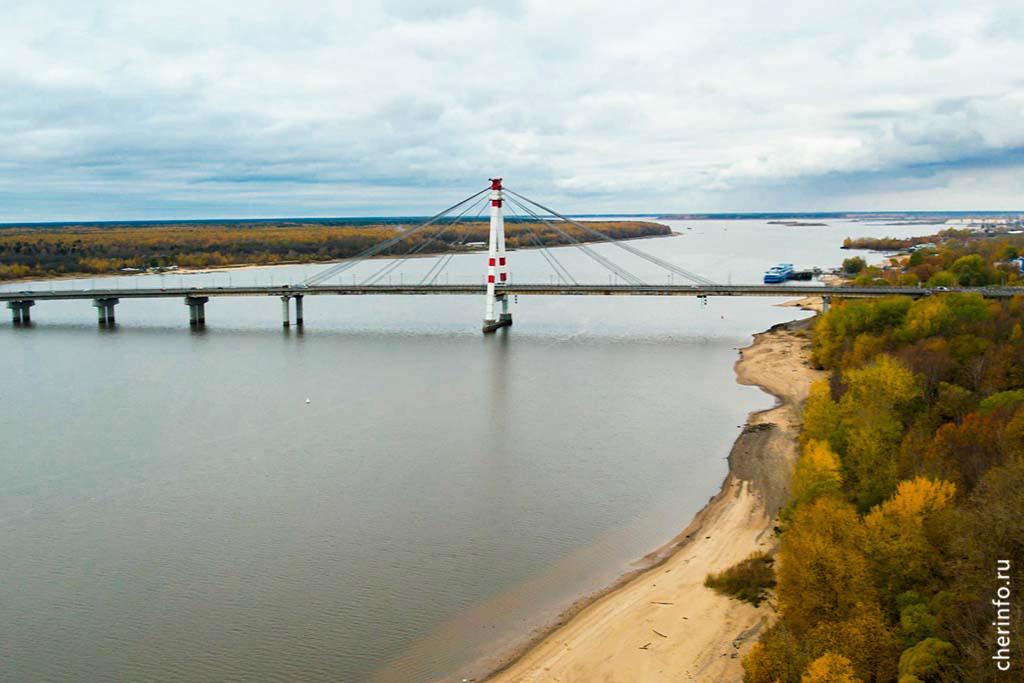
(105, 310)
(196, 310)
(285, 319)
(826, 303)
(298, 310)
(20, 311)
(504, 318)
(495, 325)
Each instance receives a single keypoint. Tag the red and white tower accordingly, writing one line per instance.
(497, 269)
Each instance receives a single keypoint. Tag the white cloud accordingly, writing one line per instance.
(214, 108)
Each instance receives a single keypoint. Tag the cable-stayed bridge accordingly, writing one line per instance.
(497, 288)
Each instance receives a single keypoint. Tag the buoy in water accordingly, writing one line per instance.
(307, 400)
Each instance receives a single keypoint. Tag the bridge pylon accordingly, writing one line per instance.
(497, 266)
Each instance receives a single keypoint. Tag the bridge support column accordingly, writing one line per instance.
(20, 311)
(496, 267)
(298, 310)
(105, 310)
(285, 319)
(505, 318)
(826, 303)
(196, 310)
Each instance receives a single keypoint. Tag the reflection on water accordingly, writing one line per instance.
(172, 509)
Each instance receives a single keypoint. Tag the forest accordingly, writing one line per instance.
(906, 500)
(952, 258)
(47, 251)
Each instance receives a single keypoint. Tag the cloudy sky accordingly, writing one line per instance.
(115, 110)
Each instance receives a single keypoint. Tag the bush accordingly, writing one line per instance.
(749, 580)
(854, 265)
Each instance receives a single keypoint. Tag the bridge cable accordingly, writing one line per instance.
(400, 261)
(381, 246)
(601, 260)
(693, 277)
(431, 275)
(441, 263)
(560, 270)
(617, 270)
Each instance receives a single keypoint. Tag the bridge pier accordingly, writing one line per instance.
(298, 310)
(105, 310)
(20, 311)
(285, 319)
(505, 318)
(826, 303)
(196, 310)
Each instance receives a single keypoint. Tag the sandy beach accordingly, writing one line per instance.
(663, 624)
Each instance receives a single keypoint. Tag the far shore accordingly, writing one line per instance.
(660, 623)
(249, 266)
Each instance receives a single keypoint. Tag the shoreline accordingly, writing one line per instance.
(631, 630)
(188, 270)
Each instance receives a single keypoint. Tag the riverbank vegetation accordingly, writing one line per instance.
(749, 580)
(951, 258)
(906, 501)
(47, 251)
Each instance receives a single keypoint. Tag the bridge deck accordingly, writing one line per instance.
(516, 289)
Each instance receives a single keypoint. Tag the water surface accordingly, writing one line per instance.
(172, 508)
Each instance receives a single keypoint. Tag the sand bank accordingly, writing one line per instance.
(663, 624)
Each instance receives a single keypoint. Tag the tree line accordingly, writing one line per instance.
(33, 251)
(906, 498)
(950, 258)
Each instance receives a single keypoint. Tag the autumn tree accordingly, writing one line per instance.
(865, 639)
(930, 661)
(816, 475)
(823, 574)
(830, 668)
(875, 410)
(989, 540)
(821, 417)
(906, 538)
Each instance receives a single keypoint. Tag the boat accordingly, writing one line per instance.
(779, 273)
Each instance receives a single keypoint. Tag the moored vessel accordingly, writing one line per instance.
(779, 273)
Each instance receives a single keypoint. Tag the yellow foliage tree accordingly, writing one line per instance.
(779, 657)
(864, 639)
(901, 538)
(823, 574)
(866, 346)
(874, 410)
(816, 473)
(914, 499)
(830, 668)
(822, 421)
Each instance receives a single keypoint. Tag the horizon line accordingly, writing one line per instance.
(666, 215)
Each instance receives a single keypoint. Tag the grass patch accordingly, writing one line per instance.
(749, 580)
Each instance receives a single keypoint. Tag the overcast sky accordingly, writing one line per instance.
(206, 109)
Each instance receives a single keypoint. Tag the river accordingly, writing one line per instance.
(172, 508)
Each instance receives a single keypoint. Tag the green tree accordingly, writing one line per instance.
(971, 271)
(854, 265)
(927, 662)
(942, 279)
(822, 420)
(876, 408)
